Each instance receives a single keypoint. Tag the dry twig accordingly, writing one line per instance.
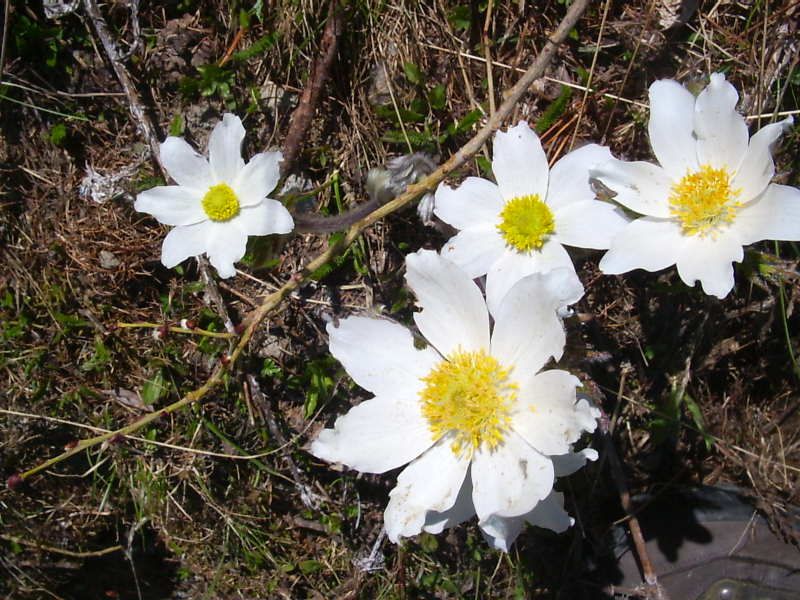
(652, 587)
(302, 115)
(140, 116)
(307, 496)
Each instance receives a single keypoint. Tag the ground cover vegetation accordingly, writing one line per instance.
(220, 498)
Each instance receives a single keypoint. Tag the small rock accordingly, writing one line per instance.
(108, 260)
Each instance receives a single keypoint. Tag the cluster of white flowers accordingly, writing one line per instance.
(484, 429)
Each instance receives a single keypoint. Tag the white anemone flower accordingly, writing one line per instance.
(710, 194)
(519, 225)
(218, 202)
(472, 412)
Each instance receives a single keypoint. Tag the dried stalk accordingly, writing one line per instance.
(414, 191)
(652, 589)
(302, 115)
(140, 116)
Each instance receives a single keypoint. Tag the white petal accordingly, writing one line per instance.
(646, 243)
(225, 148)
(184, 242)
(519, 163)
(567, 464)
(172, 205)
(257, 178)
(453, 312)
(377, 435)
(430, 483)
(527, 330)
(710, 261)
(226, 245)
(185, 165)
(671, 127)
(476, 202)
(569, 178)
(513, 266)
(550, 514)
(509, 480)
(548, 415)
(462, 510)
(721, 131)
(589, 224)
(475, 249)
(757, 168)
(640, 186)
(266, 218)
(380, 356)
(501, 532)
(775, 215)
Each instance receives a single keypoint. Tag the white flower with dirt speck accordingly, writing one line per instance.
(472, 412)
(710, 194)
(520, 225)
(218, 202)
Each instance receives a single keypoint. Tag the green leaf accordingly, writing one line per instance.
(154, 389)
(485, 167)
(418, 141)
(437, 97)
(309, 566)
(257, 48)
(699, 422)
(460, 18)
(316, 381)
(428, 542)
(244, 19)
(413, 73)
(177, 126)
(100, 359)
(401, 114)
(58, 134)
(554, 110)
(271, 369)
(466, 122)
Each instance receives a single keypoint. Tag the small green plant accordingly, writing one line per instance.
(100, 359)
(154, 389)
(556, 108)
(666, 424)
(424, 123)
(316, 381)
(219, 81)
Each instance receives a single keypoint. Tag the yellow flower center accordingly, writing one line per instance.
(703, 200)
(468, 394)
(221, 203)
(526, 223)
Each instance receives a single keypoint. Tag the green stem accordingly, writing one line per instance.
(787, 336)
(171, 329)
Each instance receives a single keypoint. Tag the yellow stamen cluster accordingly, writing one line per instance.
(469, 394)
(703, 200)
(526, 223)
(220, 203)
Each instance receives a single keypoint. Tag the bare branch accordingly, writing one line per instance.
(302, 115)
